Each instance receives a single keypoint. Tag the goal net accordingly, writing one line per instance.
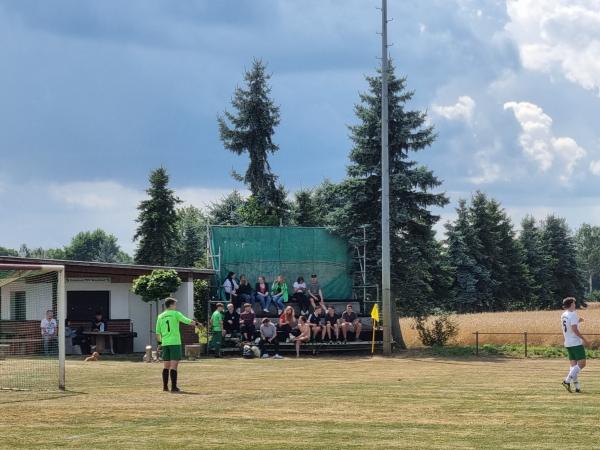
(32, 327)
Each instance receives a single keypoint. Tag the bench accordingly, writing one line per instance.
(122, 340)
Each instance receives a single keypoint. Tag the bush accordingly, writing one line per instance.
(594, 296)
(441, 330)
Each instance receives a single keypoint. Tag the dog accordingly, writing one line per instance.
(95, 357)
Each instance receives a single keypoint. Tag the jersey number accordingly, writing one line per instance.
(169, 327)
(565, 325)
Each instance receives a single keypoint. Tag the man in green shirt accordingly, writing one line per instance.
(169, 338)
(216, 327)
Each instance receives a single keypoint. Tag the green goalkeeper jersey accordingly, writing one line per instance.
(167, 326)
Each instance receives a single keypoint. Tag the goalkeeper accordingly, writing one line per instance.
(169, 338)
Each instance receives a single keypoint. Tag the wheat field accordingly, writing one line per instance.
(512, 322)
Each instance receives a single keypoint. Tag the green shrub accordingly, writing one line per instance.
(594, 296)
(441, 330)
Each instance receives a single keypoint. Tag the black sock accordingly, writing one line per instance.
(173, 379)
(166, 378)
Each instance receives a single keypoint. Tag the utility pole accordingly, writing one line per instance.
(385, 190)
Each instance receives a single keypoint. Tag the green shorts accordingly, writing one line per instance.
(171, 353)
(576, 353)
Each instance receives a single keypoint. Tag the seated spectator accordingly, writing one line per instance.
(231, 321)
(287, 323)
(350, 322)
(279, 293)
(331, 324)
(247, 318)
(300, 295)
(49, 330)
(230, 287)
(99, 324)
(315, 294)
(304, 335)
(315, 323)
(245, 290)
(268, 337)
(261, 295)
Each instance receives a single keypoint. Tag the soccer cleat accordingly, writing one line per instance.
(265, 356)
(567, 386)
(277, 356)
(165, 389)
(175, 390)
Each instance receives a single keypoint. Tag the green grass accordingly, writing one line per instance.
(504, 350)
(410, 401)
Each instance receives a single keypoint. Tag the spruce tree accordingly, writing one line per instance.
(537, 262)
(305, 209)
(157, 219)
(226, 211)
(251, 131)
(357, 200)
(587, 240)
(191, 237)
(566, 279)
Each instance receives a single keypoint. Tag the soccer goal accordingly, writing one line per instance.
(32, 327)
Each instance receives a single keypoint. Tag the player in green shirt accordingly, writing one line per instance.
(169, 338)
(216, 328)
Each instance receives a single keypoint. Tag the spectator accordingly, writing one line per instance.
(300, 295)
(304, 335)
(49, 329)
(331, 323)
(216, 328)
(247, 318)
(99, 324)
(315, 293)
(279, 292)
(262, 294)
(350, 322)
(231, 321)
(268, 337)
(287, 323)
(230, 287)
(245, 290)
(315, 322)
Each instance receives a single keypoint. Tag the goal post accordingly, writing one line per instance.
(32, 326)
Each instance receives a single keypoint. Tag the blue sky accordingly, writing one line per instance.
(94, 94)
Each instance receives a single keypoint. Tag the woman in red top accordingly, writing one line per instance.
(287, 322)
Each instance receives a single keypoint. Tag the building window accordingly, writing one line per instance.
(17, 305)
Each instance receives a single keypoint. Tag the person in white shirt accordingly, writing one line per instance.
(574, 342)
(49, 329)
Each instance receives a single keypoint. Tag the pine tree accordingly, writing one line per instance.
(587, 240)
(566, 279)
(305, 209)
(251, 131)
(191, 237)
(357, 200)
(538, 263)
(157, 219)
(226, 211)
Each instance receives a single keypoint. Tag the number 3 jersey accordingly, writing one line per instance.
(567, 319)
(167, 326)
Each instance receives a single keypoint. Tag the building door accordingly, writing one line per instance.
(83, 305)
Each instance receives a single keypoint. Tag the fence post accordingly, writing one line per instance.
(525, 339)
(477, 343)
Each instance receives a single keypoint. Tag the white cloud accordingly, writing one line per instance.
(558, 36)
(595, 167)
(202, 197)
(539, 143)
(461, 110)
(95, 195)
(488, 170)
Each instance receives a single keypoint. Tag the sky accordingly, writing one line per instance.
(96, 93)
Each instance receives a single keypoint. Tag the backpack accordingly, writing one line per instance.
(247, 352)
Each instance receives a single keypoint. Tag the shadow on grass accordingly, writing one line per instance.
(21, 396)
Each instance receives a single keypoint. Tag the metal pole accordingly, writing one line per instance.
(477, 343)
(385, 191)
(525, 339)
(61, 315)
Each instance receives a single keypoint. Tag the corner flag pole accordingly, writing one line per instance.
(385, 190)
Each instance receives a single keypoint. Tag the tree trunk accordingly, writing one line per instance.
(150, 333)
(396, 331)
(591, 280)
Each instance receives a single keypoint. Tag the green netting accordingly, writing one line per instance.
(291, 251)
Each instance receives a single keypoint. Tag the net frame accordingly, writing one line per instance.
(61, 307)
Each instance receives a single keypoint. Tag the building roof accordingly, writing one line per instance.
(92, 268)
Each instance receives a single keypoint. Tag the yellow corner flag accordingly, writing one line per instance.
(375, 313)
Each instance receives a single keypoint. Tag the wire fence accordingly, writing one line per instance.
(525, 335)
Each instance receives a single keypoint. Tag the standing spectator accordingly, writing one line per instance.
(262, 294)
(216, 328)
(304, 335)
(331, 323)
(49, 329)
(230, 287)
(350, 322)
(315, 293)
(279, 292)
(247, 318)
(268, 337)
(231, 321)
(300, 295)
(287, 323)
(315, 323)
(245, 290)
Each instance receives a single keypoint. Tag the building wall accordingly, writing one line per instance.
(38, 299)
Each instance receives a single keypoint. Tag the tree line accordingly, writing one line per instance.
(482, 264)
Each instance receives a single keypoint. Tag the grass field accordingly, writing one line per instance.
(513, 322)
(405, 402)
